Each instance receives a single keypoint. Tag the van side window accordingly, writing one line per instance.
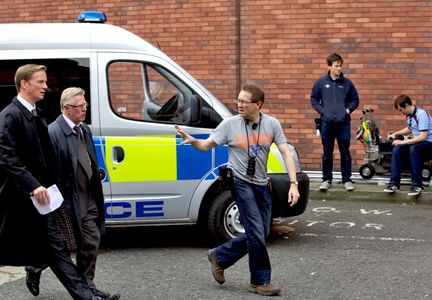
(61, 73)
(146, 92)
(126, 89)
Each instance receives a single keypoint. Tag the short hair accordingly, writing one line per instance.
(256, 92)
(402, 101)
(68, 94)
(332, 58)
(25, 72)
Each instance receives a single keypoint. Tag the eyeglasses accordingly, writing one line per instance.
(240, 101)
(82, 106)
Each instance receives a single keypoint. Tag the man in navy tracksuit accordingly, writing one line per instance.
(335, 97)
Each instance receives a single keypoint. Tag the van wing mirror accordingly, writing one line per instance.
(195, 110)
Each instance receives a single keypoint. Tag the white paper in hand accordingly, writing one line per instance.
(56, 199)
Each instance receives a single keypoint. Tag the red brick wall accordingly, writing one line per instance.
(386, 46)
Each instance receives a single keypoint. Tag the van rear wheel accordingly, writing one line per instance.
(224, 218)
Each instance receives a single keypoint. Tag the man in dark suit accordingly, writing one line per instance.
(78, 178)
(26, 168)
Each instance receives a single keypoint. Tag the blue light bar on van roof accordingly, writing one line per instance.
(92, 17)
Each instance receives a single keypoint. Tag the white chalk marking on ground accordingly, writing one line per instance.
(368, 238)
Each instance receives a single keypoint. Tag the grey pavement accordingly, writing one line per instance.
(340, 250)
(366, 190)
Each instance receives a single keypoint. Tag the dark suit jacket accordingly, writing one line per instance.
(25, 164)
(65, 143)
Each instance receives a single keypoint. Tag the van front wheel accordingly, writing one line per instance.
(224, 218)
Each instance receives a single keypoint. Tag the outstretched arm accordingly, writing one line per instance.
(201, 145)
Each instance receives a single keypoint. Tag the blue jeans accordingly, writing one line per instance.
(341, 132)
(414, 154)
(254, 204)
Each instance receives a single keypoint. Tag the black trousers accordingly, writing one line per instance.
(88, 246)
(62, 265)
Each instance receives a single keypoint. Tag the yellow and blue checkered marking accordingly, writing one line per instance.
(161, 158)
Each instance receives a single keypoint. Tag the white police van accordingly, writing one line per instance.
(136, 95)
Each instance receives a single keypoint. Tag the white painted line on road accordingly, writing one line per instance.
(8, 274)
(368, 238)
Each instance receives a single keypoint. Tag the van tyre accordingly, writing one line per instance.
(224, 218)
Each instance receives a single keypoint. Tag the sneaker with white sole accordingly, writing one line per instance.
(391, 188)
(325, 185)
(349, 186)
(415, 191)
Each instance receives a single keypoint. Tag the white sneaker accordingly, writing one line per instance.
(325, 185)
(349, 186)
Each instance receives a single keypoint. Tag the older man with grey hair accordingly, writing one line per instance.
(79, 182)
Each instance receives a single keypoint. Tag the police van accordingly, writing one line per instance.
(136, 95)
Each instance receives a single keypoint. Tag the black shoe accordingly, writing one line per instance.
(100, 293)
(33, 279)
(113, 297)
(415, 191)
(391, 188)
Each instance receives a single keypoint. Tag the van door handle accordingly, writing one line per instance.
(118, 154)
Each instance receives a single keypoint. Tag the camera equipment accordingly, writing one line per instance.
(318, 125)
(226, 177)
(251, 166)
(254, 125)
(250, 170)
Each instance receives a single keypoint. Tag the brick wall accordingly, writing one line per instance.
(283, 44)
